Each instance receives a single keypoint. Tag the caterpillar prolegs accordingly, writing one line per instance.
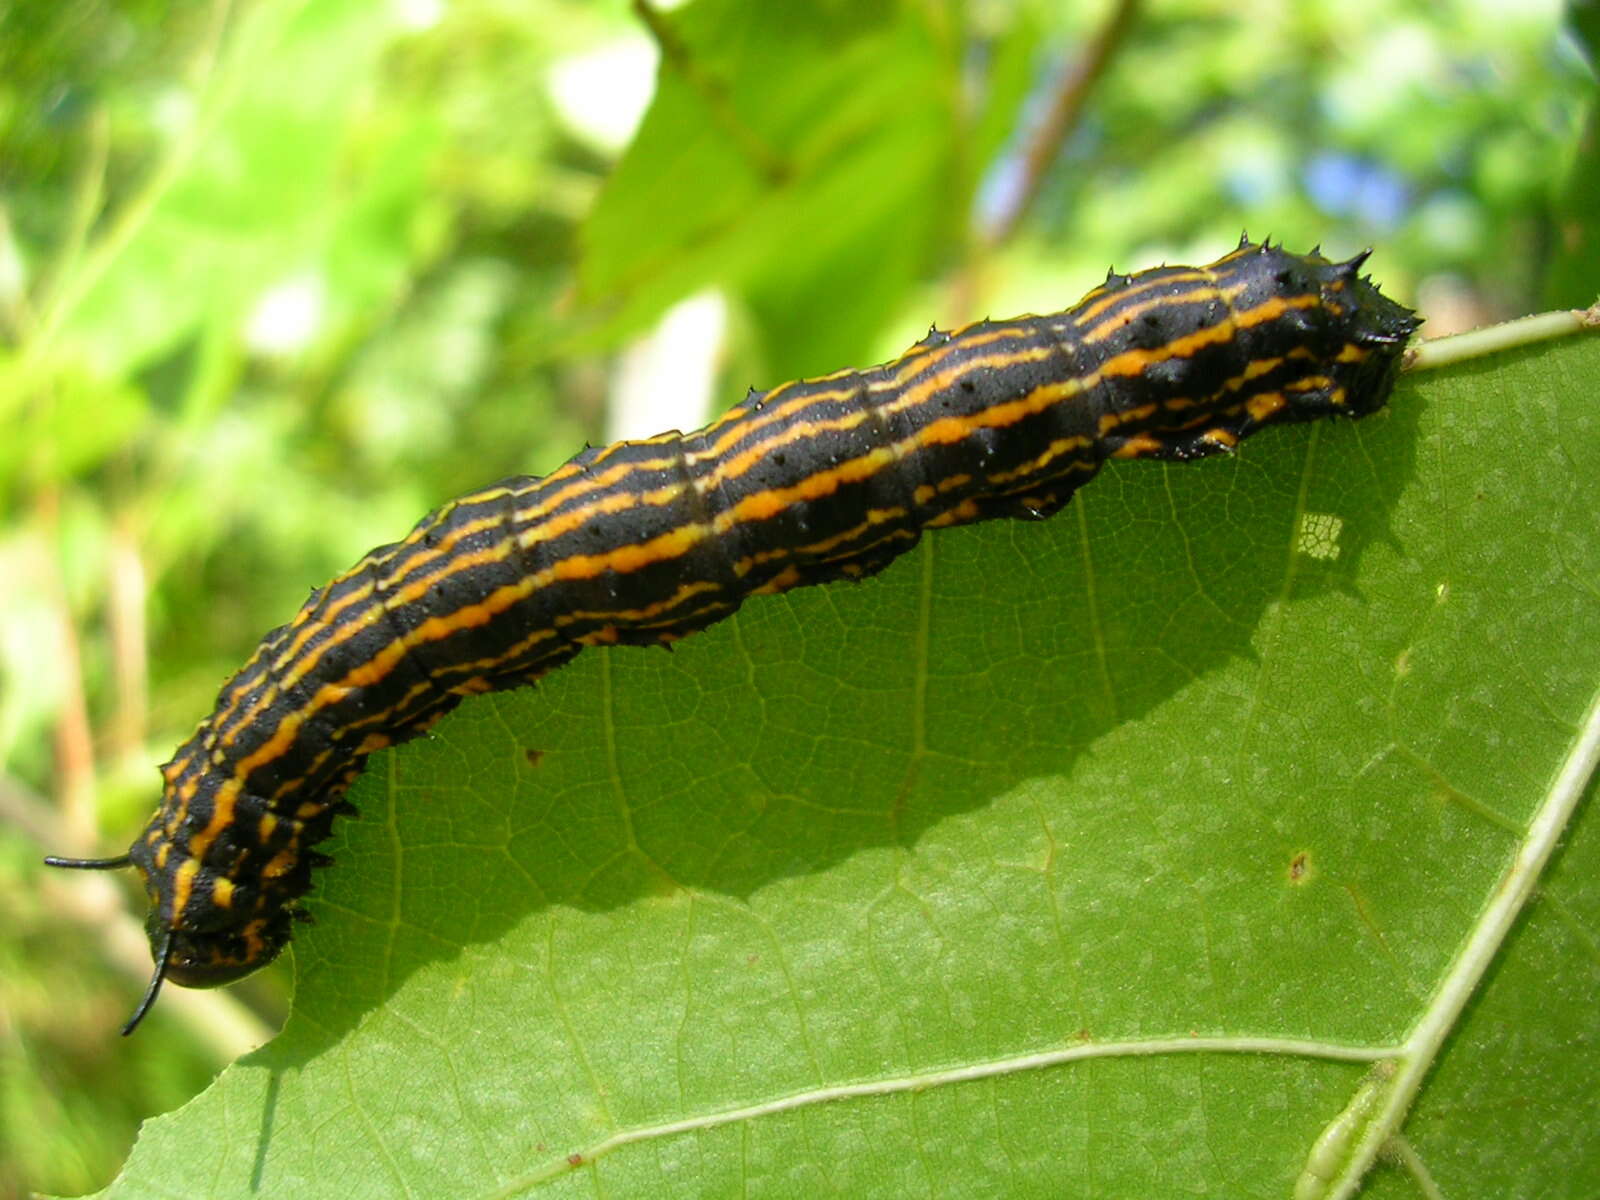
(646, 541)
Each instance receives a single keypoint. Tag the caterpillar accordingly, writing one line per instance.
(647, 541)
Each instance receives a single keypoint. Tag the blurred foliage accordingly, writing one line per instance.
(276, 277)
(1571, 282)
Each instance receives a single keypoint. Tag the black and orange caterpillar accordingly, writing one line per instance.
(647, 541)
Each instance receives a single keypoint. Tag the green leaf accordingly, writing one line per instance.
(1573, 274)
(1129, 853)
(253, 169)
(764, 117)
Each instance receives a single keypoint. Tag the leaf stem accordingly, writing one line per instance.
(1509, 898)
(1477, 343)
(1067, 104)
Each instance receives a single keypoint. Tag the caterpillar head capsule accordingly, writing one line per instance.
(208, 925)
(197, 958)
(1347, 336)
(1374, 328)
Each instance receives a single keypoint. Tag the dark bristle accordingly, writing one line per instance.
(163, 953)
(89, 864)
(1353, 264)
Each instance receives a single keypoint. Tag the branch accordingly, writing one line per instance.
(1063, 118)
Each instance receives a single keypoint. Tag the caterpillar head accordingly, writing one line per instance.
(207, 926)
(1356, 333)
(215, 957)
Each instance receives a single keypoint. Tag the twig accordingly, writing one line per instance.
(1058, 124)
(127, 595)
(74, 742)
